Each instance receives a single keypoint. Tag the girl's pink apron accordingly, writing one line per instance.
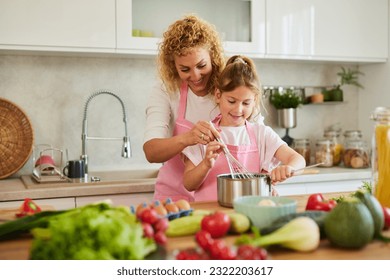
(247, 155)
(169, 182)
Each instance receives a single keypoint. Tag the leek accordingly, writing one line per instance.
(300, 234)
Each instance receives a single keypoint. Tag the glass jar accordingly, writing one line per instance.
(381, 155)
(302, 146)
(356, 154)
(337, 147)
(352, 135)
(324, 152)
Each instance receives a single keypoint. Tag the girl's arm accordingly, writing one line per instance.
(290, 159)
(194, 175)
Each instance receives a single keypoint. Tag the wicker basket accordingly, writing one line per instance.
(16, 138)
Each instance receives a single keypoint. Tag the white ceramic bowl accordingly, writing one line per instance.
(262, 216)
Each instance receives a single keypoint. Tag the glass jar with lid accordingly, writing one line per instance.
(302, 146)
(381, 155)
(337, 147)
(356, 154)
(324, 152)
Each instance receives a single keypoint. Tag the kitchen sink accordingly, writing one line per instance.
(97, 178)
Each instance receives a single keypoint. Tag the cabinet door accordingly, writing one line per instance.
(141, 23)
(43, 24)
(350, 30)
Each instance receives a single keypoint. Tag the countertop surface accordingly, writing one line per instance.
(139, 181)
(19, 248)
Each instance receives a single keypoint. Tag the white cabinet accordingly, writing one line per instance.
(141, 23)
(80, 25)
(338, 30)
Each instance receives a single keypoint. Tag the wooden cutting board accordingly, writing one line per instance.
(8, 214)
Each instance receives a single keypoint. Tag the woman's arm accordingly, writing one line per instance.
(159, 150)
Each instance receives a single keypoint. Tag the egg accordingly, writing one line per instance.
(160, 209)
(171, 208)
(183, 204)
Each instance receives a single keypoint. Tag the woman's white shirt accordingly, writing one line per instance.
(162, 110)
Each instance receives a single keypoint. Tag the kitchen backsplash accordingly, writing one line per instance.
(53, 90)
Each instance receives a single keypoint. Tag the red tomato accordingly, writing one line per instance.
(149, 215)
(386, 212)
(148, 230)
(161, 225)
(216, 249)
(217, 224)
(204, 239)
(160, 238)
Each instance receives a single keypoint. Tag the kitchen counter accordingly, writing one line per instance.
(376, 250)
(334, 179)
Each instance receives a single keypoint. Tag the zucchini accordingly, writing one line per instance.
(375, 209)
(317, 216)
(25, 224)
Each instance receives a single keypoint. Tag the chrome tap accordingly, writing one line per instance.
(126, 148)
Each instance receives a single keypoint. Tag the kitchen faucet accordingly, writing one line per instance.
(126, 148)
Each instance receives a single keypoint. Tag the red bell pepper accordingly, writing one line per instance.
(318, 202)
(29, 207)
(386, 212)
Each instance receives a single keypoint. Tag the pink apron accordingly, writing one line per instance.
(169, 182)
(247, 155)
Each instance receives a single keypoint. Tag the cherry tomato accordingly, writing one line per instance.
(204, 239)
(216, 249)
(227, 253)
(160, 238)
(217, 224)
(161, 225)
(148, 230)
(149, 215)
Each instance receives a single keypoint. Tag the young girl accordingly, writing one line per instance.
(255, 145)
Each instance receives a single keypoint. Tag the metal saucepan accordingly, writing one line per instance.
(228, 188)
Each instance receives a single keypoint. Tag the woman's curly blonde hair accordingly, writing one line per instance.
(182, 37)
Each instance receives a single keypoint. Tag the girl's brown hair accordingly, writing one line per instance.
(182, 37)
(241, 71)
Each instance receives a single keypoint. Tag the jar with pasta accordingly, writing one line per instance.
(324, 152)
(337, 146)
(381, 155)
(302, 146)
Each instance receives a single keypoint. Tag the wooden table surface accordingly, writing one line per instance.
(18, 249)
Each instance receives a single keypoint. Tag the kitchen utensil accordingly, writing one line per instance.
(16, 138)
(237, 170)
(308, 167)
(229, 187)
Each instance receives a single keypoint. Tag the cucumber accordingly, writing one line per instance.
(317, 216)
(375, 209)
(187, 225)
(349, 224)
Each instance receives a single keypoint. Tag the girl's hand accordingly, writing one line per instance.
(201, 133)
(281, 173)
(213, 150)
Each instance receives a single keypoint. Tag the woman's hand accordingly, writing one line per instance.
(202, 133)
(213, 150)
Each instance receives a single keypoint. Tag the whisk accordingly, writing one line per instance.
(237, 170)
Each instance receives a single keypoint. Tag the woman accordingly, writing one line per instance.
(190, 60)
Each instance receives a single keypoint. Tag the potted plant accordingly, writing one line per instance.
(286, 103)
(347, 77)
